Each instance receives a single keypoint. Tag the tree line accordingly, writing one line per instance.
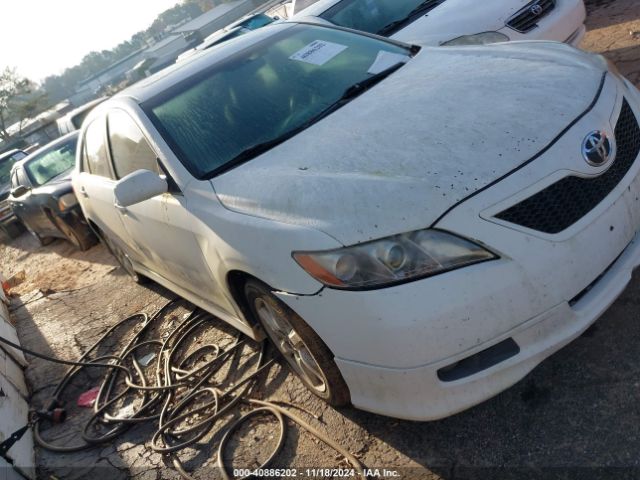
(21, 98)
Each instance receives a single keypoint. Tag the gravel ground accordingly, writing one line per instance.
(575, 416)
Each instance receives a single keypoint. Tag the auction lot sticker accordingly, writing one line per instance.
(318, 52)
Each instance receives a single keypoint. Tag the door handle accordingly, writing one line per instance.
(83, 192)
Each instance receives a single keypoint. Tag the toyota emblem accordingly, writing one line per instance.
(536, 10)
(597, 148)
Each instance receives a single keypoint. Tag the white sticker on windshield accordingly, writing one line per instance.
(318, 52)
(386, 60)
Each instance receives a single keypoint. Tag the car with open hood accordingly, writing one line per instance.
(455, 22)
(415, 228)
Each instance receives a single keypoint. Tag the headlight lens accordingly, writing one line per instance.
(478, 39)
(67, 201)
(392, 260)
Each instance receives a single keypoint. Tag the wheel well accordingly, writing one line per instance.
(95, 228)
(236, 280)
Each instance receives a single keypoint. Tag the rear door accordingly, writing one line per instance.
(160, 228)
(96, 182)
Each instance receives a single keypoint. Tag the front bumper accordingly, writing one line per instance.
(564, 24)
(419, 394)
(391, 344)
(386, 329)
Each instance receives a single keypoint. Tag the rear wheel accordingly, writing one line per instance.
(124, 260)
(302, 348)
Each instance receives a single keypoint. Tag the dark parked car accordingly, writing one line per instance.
(42, 196)
(9, 224)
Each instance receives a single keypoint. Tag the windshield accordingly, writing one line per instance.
(272, 89)
(6, 164)
(382, 17)
(53, 162)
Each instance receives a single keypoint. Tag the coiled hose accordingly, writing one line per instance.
(183, 391)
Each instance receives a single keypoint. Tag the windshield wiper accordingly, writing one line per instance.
(418, 11)
(349, 94)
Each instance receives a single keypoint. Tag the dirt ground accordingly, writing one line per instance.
(575, 416)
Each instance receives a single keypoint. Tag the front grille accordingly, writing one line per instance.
(562, 204)
(527, 18)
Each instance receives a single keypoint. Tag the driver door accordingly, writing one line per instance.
(160, 228)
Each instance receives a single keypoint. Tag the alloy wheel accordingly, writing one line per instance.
(290, 345)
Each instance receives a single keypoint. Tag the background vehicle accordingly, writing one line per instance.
(299, 5)
(455, 22)
(42, 196)
(72, 121)
(236, 29)
(9, 224)
(342, 191)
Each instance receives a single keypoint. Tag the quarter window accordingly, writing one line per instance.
(95, 151)
(130, 150)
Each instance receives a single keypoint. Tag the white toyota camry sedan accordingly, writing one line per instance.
(455, 22)
(415, 229)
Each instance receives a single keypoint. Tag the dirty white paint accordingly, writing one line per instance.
(448, 123)
(455, 18)
(14, 408)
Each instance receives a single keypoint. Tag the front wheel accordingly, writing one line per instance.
(302, 348)
(82, 239)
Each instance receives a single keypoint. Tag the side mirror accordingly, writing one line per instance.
(19, 191)
(139, 186)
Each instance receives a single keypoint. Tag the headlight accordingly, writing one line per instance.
(477, 39)
(67, 201)
(392, 260)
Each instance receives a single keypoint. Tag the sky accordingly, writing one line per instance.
(43, 37)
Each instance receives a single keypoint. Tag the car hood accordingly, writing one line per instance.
(448, 123)
(455, 18)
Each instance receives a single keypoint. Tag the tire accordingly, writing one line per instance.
(124, 260)
(82, 238)
(302, 348)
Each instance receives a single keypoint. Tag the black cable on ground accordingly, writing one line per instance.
(182, 392)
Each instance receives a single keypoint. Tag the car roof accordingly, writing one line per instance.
(85, 107)
(218, 37)
(243, 20)
(43, 149)
(9, 153)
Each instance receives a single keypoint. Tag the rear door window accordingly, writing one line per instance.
(130, 150)
(95, 150)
